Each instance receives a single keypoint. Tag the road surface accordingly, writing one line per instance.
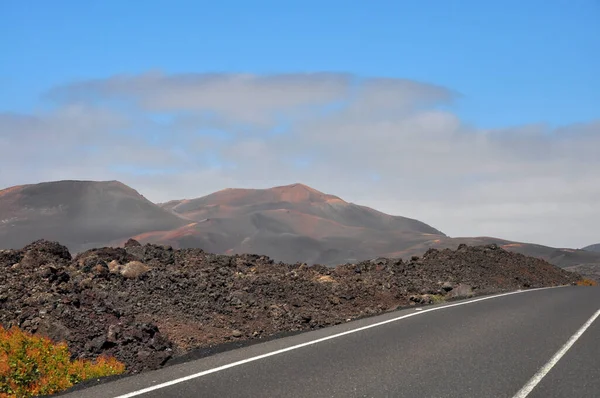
(537, 343)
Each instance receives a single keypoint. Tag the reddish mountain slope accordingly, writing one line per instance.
(298, 223)
(292, 223)
(298, 201)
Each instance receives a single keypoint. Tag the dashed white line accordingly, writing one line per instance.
(295, 347)
(534, 381)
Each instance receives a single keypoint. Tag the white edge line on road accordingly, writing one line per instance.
(295, 347)
(534, 381)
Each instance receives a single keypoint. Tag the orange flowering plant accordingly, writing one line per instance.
(35, 365)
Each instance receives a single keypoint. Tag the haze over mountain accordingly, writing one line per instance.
(593, 248)
(292, 223)
(80, 214)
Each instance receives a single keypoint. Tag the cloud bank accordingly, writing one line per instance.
(386, 143)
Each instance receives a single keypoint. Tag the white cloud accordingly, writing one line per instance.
(245, 98)
(211, 131)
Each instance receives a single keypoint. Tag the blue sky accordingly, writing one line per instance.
(477, 117)
(513, 62)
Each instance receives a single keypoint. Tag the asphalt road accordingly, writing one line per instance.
(539, 343)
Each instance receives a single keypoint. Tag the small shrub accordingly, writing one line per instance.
(437, 298)
(587, 282)
(34, 365)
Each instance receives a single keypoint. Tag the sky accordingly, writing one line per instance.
(478, 118)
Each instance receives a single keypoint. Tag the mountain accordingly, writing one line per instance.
(298, 223)
(81, 214)
(593, 248)
(304, 209)
(292, 223)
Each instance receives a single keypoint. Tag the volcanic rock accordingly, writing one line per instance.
(147, 304)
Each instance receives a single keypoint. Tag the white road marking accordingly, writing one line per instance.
(534, 381)
(295, 347)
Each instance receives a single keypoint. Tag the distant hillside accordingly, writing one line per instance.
(593, 248)
(297, 199)
(292, 223)
(557, 256)
(81, 214)
(589, 271)
(298, 223)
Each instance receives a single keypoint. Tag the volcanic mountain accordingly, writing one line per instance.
(299, 223)
(82, 214)
(292, 223)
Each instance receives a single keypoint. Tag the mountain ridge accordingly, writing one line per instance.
(290, 223)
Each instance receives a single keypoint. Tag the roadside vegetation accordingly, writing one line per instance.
(587, 282)
(34, 365)
(437, 298)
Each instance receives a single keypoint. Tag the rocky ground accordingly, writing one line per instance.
(589, 271)
(149, 304)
